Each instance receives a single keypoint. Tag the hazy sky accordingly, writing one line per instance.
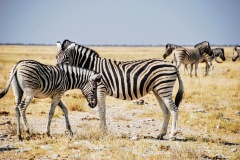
(132, 22)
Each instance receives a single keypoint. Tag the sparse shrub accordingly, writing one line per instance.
(11, 129)
(185, 152)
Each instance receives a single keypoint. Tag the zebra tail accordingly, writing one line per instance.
(4, 92)
(180, 92)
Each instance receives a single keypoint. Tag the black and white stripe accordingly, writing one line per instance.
(128, 80)
(32, 79)
(236, 53)
(216, 52)
(190, 56)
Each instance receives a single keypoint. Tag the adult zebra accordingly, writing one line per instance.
(236, 53)
(34, 79)
(216, 52)
(191, 56)
(128, 80)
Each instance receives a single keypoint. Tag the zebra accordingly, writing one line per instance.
(30, 79)
(188, 56)
(128, 80)
(236, 53)
(216, 52)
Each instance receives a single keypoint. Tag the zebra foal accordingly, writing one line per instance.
(128, 80)
(30, 79)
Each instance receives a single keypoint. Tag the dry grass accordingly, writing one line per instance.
(211, 131)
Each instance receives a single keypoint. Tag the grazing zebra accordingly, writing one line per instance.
(128, 80)
(236, 53)
(188, 56)
(216, 52)
(34, 79)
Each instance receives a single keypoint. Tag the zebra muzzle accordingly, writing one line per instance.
(92, 103)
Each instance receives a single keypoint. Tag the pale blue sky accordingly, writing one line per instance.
(131, 22)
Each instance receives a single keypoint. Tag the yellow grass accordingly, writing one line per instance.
(205, 132)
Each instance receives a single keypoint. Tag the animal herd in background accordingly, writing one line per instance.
(127, 80)
(201, 53)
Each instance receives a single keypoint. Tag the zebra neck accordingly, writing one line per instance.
(76, 77)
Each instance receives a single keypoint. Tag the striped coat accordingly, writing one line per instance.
(32, 79)
(128, 80)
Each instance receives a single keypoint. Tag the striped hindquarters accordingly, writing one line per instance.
(187, 57)
(134, 79)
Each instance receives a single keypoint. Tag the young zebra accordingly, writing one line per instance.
(189, 56)
(128, 80)
(216, 52)
(32, 79)
(236, 53)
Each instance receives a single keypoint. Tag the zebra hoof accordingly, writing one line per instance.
(69, 132)
(160, 137)
(28, 138)
(172, 138)
(20, 138)
(48, 134)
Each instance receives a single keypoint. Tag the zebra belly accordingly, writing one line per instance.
(126, 97)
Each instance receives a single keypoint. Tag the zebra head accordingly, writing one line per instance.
(64, 51)
(169, 49)
(218, 52)
(236, 53)
(90, 90)
(204, 47)
(76, 55)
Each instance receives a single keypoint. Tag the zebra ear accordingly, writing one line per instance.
(96, 77)
(59, 46)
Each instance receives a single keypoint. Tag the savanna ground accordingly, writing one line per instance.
(209, 124)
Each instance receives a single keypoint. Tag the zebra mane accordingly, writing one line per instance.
(67, 42)
(173, 46)
(199, 44)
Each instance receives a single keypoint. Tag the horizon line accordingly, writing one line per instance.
(110, 45)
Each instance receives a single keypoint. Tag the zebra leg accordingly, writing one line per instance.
(102, 110)
(210, 66)
(18, 93)
(18, 123)
(185, 69)
(174, 113)
(166, 115)
(206, 69)
(55, 102)
(22, 107)
(65, 111)
(191, 70)
(196, 67)
(178, 64)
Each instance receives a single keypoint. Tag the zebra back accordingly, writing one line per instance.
(47, 78)
(124, 80)
(204, 47)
